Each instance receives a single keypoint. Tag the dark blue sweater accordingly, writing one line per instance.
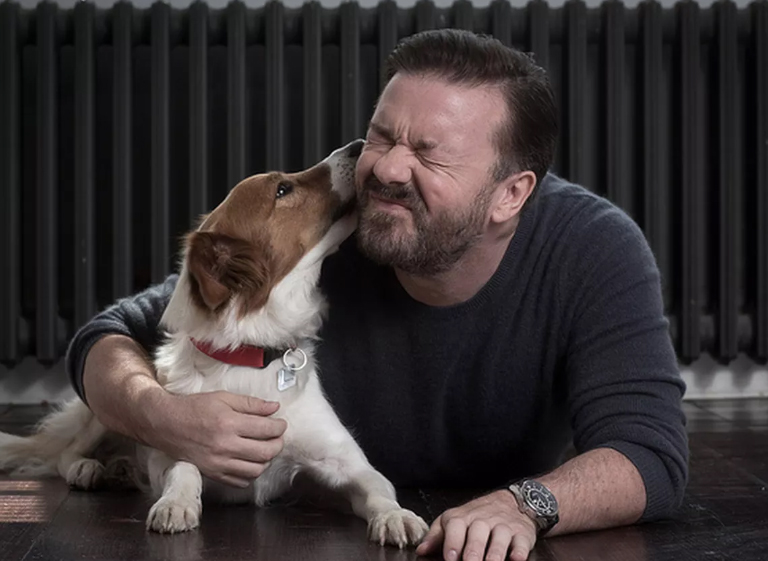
(567, 343)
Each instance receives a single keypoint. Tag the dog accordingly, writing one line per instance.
(248, 282)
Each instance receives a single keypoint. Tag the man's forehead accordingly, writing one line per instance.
(436, 107)
(434, 132)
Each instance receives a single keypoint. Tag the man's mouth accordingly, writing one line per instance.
(390, 201)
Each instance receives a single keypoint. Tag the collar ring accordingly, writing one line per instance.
(302, 358)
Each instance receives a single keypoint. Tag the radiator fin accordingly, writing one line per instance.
(727, 94)
(691, 178)
(313, 140)
(760, 30)
(161, 150)
(275, 105)
(122, 181)
(85, 166)
(10, 192)
(575, 102)
(198, 110)
(236, 118)
(47, 315)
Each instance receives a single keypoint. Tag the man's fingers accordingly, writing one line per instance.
(433, 538)
(521, 547)
(258, 451)
(250, 405)
(244, 471)
(260, 428)
(477, 539)
(501, 538)
(233, 481)
(455, 535)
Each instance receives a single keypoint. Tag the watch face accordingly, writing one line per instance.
(539, 498)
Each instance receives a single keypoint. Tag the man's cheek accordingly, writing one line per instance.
(363, 169)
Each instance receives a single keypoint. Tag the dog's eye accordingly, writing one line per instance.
(283, 189)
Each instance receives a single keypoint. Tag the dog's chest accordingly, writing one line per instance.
(261, 383)
(266, 383)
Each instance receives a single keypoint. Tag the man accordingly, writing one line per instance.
(486, 314)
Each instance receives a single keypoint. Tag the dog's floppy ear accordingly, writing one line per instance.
(221, 266)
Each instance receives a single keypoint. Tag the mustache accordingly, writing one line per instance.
(393, 192)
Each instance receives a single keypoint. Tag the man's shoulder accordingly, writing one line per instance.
(574, 212)
(581, 234)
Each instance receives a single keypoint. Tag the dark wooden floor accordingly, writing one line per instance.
(725, 515)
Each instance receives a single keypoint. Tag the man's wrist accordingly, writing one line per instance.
(537, 502)
(156, 404)
(507, 497)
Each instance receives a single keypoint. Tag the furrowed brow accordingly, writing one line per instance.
(381, 130)
(418, 144)
(424, 145)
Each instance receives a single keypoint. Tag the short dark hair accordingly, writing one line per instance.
(528, 138)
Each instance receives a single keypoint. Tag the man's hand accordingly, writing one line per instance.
(230, 438)
(494, 521)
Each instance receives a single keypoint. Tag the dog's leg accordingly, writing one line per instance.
(275, 480)
(67, 431)
(79, 471)
(180, 486)
(344, 466)
(373, 498)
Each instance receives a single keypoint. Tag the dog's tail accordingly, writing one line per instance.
(37, 455)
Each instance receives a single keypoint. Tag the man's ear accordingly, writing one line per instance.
(511, 195)
(221, 266)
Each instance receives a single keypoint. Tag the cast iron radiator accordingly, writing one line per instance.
(119, 126)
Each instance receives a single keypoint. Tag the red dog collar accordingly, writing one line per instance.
(245, 355)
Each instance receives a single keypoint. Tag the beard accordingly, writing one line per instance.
(434, 245)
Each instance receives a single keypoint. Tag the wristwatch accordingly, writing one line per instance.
(538, 502)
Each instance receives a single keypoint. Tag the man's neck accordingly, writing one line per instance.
(462, 281)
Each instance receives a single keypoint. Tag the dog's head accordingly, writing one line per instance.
(268, 226)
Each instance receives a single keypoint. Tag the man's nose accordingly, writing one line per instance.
(394, 166)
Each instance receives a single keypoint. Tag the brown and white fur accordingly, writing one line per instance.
(248, 277)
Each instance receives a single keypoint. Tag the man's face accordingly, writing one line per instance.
(424, 177)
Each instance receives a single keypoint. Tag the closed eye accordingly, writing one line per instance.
(283, 189)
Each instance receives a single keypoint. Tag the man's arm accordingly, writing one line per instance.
(624, 397)
(228, 437)
(119, 381)
(136, 317)
(595, 490)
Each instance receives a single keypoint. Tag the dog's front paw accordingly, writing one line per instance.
(85, 474)
(399, 527)
(170, 516)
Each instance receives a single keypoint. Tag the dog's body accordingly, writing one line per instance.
(248, 278)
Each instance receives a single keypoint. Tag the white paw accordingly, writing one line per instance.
(85, 474)
(174, 515)
(398, 527)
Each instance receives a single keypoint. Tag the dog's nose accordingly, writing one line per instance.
(354, 148)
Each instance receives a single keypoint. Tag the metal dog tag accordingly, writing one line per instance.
(286, 378)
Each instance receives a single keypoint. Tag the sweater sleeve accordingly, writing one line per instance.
(137, 316)
(625, 388)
